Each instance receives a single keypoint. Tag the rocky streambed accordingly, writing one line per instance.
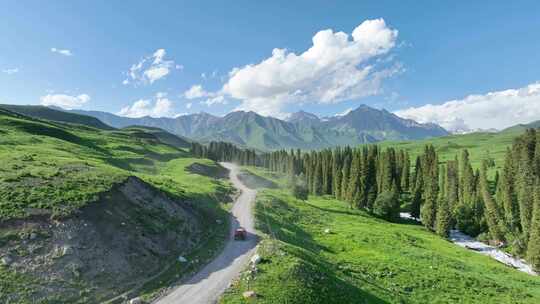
(461, 239)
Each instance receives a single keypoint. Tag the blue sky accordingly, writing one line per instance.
(433, 53)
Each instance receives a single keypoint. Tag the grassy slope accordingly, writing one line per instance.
(164, 136)
(479, 145)
(367, 260)
(57, 115)
(54, 169)
(58, 168)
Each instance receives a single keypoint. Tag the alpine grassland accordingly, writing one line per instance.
(50, 167)
(51, 171)
(481, 146)
(321, 251)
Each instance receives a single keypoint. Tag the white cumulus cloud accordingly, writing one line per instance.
(11, 71)
(150, 69)
(161, 106)
(336, 67)
(196, 91)
(64, 52)
(65, 101)
(498, 110)
(220, 99)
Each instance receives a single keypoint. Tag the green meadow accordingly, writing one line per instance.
(363, 259)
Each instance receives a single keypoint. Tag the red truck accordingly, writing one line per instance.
(240, 234)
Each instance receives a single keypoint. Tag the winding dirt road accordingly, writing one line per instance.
(209, 283)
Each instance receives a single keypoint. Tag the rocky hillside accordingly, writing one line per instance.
(114, 244)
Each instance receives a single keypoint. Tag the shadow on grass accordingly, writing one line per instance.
(254, 181)
(334, 210)
(279, 223)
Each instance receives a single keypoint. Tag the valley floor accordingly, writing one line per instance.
(208, 284)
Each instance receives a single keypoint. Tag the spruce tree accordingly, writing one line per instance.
(336, 173)
(345, 177)
(406, 172)
(387, 171)
(326, 172)
(525, 190)
(467, 179)
(418, 184)
(507, 195)
(370, 185)
(444, 220)
(317, 178)
(354, 180)
(533, 246)
(492, 214)
(452, 184)
(430, 177)
(466, 212)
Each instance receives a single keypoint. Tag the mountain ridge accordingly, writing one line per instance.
(302, 130)
(299, 130)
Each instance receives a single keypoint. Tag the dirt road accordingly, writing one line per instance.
(209, 283)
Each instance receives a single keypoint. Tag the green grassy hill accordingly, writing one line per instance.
(480, 146)
(58, 178)
(160, 134)
(58, 167)
(523, 127)
(365, 260)
(47, 113)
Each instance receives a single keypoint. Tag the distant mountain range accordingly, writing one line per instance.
(300, 130)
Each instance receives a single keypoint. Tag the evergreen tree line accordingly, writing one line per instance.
(227, 152)
(443, 195)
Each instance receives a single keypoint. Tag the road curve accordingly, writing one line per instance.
(209, 283)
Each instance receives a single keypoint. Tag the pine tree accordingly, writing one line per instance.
(533, 247)
(492, 214)
(452, 184)
(442, 182)
(354, 180)
(317, 178)
(444, 221)
(406, 172)
(525, 190)
(326, 172)
(387, 168)
(418, 183)
(430, 175)
(507, 195)
(467, 179)
(443, 216)
(336, 173)
(467, 212)
(370, 185)
(345, 177)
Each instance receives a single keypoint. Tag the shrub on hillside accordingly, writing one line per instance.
(387, 206)
(300, 191)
